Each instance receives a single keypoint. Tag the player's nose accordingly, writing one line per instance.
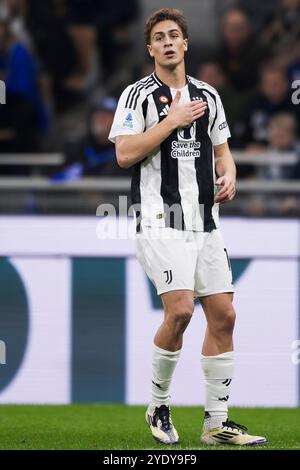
(168, 42)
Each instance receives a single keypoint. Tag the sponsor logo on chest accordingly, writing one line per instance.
(186, 146)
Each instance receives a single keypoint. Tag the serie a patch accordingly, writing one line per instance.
(128, 123)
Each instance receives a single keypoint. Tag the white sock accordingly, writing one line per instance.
(163, 365)
(218, 372)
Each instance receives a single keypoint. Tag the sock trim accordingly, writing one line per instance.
(225, 354)
(165, 352)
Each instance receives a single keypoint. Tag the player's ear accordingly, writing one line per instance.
(149, 47)
(185, 42)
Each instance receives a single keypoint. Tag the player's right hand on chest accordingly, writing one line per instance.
(181, 115)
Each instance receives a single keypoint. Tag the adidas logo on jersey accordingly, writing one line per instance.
(165, 110)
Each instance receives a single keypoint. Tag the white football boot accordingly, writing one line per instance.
(230, 433)
(160, 423)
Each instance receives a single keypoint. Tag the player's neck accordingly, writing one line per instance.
(175, 78)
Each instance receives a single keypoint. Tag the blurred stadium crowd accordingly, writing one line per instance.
(65, 62)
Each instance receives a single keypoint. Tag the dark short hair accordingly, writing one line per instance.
(162, 15)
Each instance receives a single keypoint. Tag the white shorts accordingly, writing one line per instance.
(176, 260)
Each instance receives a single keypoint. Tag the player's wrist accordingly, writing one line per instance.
(230, 175)
(171, 122)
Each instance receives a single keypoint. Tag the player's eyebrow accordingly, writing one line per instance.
(165, 32)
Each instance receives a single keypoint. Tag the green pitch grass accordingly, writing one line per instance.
(124, 427)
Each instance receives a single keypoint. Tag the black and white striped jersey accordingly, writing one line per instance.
(178, 176)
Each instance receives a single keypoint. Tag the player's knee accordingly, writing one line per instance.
(227, 321)
(181, 314)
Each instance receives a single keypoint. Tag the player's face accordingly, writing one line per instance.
(167, 45)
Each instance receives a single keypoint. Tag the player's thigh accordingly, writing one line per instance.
(167, 259)
(213, 273)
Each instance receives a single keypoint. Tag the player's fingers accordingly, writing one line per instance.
(223, 191)
(198, 113)
(177, 97)
(227, 188)
(219, 199)
(232, 191)
(219, 181)
(231, 195)
(194, 119)
(226, 197)
(197, 104)
(223, 195)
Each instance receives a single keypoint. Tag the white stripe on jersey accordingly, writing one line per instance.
(150, 172)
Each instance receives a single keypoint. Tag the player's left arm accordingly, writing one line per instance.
(224, 164)
(226, 172)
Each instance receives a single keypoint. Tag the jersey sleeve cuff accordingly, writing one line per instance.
(112, 137)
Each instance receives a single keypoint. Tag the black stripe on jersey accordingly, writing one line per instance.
(152, 83)
(146, 80)
(138, 91)
(136, 193)
(135, 97)
(156, 79)
(204, 90)
(129, 96)
(134, 93)
(215, 100)
(145, 109)
(169, 189)
(204, 163)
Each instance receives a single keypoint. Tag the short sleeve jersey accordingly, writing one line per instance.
(174, 185)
